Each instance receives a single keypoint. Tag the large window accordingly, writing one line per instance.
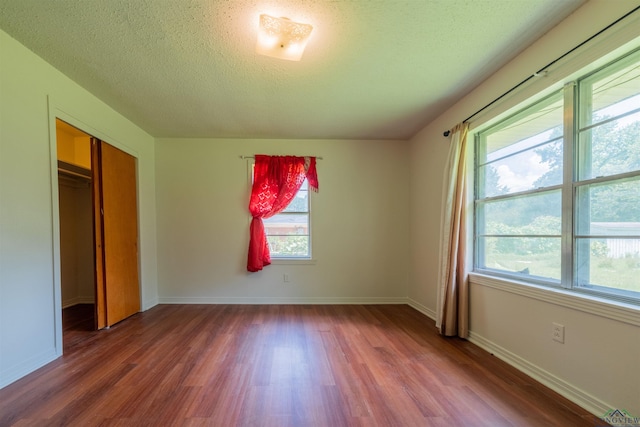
(557, 195)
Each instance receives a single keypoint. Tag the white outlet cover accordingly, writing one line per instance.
(557, 332)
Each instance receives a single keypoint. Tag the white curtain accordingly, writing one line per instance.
(452, 314)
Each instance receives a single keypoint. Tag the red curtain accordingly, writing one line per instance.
(276, 180)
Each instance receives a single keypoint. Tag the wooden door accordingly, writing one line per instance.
(116, 234)
(100, 304)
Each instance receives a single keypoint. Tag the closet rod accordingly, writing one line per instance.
(542, 71)
(253, 157)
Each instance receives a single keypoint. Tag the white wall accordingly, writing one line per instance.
(32, 93)
(359, 223)
(597, 365)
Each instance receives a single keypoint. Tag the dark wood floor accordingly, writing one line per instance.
(235, 365)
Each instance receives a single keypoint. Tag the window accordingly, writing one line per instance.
(557, 188)
(288, 232)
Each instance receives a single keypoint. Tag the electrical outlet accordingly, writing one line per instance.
(285, 278)
(557, 332)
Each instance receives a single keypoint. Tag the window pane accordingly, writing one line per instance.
(610, 208)
(533, 214)
(610, 106)
(512, 225)
(611, 263)
(287, 224)
(289, 246)
(610, 148)
(526, 256)
(527, 170)
(623, 108)
(288, 232)
(300, 203)
(536, 125)
(612, 92)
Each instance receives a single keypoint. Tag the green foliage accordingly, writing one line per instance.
(614, 149)
(520, 223)
(599, 249)
(526, 245)
(492, 185)
(289, 246)
(520, 212)
(619, 202)
(632, 261)
(539, 226)
(300, 203)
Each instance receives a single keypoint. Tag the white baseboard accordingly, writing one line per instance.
(25, 367)
(422, 308)
(146, 305)
(295, 300)
(77, 300)
(574, 394)
(281, 300)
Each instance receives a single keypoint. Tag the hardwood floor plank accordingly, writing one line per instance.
(282, 365)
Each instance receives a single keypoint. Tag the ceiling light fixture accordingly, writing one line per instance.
(282, 38)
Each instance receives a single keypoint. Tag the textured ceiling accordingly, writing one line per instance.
(373, 69)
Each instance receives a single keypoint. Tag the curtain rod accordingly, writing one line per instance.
(253, 157)
(542, 71)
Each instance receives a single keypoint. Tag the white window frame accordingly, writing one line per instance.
(570, 183)
(285, 260)
(478, 138)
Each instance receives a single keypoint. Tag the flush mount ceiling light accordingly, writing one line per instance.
(282, 38)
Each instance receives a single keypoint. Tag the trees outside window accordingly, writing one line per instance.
(557, 198)
(288, 232)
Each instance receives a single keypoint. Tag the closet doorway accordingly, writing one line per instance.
(98, 230)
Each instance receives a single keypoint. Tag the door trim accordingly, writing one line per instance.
(75, 118)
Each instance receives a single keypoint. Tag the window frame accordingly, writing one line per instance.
(277, 259)
(571, 95)
(520, 113)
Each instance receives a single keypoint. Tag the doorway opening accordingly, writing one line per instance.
(99, 273)
(77, 256)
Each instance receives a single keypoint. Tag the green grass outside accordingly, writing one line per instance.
(617, 273)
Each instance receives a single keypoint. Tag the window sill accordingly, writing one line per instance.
(293, 261)
(621, 312)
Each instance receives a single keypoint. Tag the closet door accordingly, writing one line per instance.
(101, 305)
(117, 235)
